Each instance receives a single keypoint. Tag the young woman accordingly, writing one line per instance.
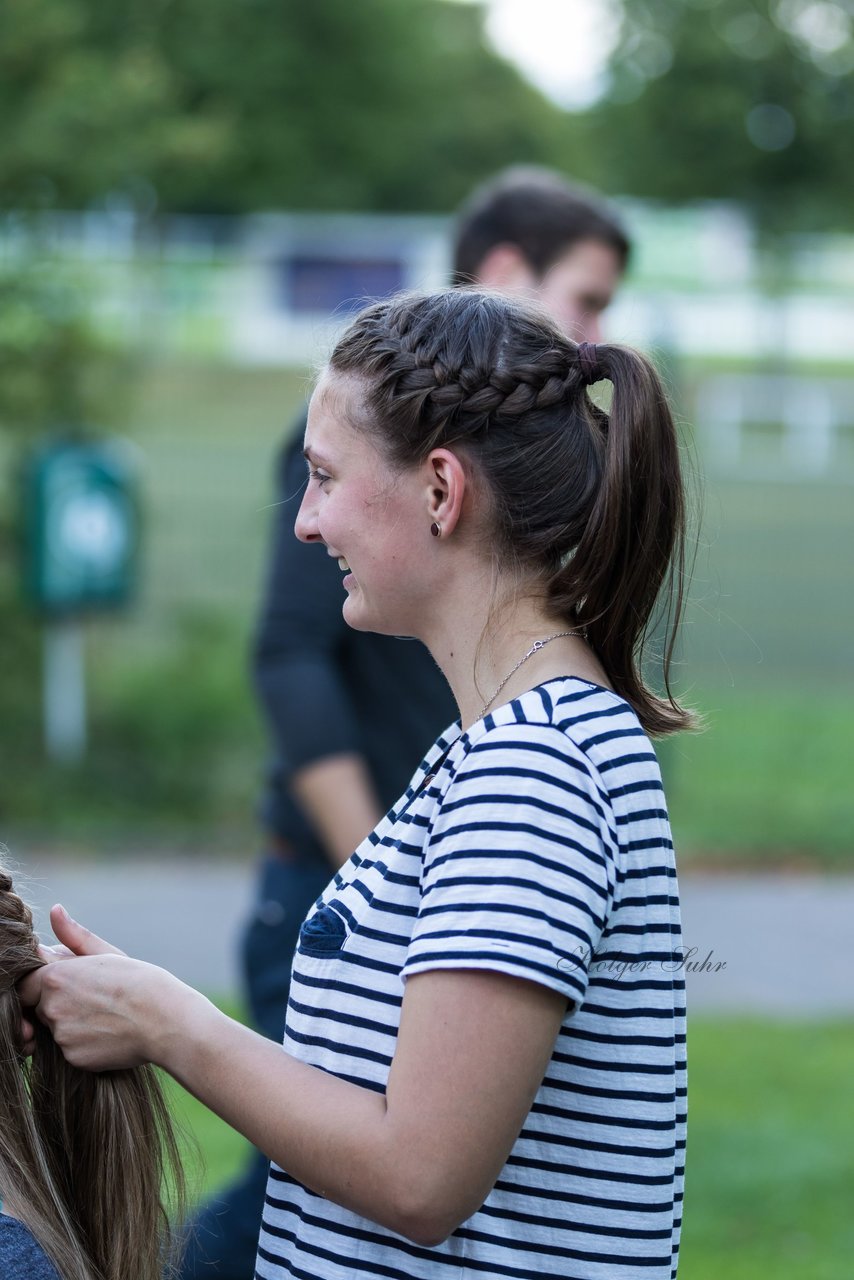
(483, 1071)
(82, 1156)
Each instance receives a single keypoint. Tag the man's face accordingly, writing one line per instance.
(575, 289)
(578, 286)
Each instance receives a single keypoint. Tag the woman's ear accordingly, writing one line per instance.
(446, 487)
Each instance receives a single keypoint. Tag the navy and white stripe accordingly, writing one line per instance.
(535, 844)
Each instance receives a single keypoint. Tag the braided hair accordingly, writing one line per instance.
(587, 503)
(82, 1155)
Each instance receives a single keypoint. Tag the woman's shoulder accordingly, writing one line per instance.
(569, 720)
(21, 1256)
(581, 712)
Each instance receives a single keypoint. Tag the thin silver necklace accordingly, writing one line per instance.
(535, 648)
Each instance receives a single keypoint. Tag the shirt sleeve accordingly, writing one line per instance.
(299, 640)
(520, 864)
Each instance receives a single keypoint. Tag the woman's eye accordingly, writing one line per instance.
(319, 476)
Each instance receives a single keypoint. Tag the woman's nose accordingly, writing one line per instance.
(305, 526)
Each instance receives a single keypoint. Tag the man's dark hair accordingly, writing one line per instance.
(540, 213)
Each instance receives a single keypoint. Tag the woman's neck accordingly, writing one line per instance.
(477, 641)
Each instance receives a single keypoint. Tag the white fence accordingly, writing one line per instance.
(784, 427)
(274, 288)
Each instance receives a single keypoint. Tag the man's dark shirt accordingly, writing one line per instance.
(327, 689)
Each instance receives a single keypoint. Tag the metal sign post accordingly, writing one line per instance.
(82, 534)
(64, 692)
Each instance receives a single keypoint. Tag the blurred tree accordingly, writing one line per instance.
(376, 105)
(750, 100)
(89, 103)
(54, 371)
(212, 105)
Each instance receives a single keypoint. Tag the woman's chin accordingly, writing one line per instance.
(354, 612)
(360, 618)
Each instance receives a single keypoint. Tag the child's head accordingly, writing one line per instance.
(82, 1155)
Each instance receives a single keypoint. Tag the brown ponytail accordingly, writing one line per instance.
(632, 545)
(83, 1156)
(587, 504)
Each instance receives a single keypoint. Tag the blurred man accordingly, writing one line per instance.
(338, 764)
(529, 232)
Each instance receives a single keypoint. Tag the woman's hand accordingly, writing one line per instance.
(104, 1010)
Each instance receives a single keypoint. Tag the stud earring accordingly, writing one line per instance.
(436, 529)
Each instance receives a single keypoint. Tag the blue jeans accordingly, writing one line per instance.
(222, 1236)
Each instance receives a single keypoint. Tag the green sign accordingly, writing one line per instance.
(82, 526)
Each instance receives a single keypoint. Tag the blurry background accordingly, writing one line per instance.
(194, 194)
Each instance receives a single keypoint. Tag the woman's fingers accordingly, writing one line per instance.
(28, 1038)
(79, 940)
(55, 952)
(81, 1001)
(74, 940)
(30, 989)
(105, 1011)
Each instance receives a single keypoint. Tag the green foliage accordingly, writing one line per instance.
(749, 100)
(208, 105)
(166, 729)
(90, 102)
(20, 664)
(216, 106)
(173, 740)
(54, 370)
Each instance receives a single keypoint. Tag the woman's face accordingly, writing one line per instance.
(373, 518)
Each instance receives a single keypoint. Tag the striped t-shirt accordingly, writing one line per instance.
(535, 844)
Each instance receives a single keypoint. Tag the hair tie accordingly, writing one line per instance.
(588, 358)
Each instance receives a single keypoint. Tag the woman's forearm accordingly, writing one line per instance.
(418, 1157)
(109, 1012)
(333, 1136)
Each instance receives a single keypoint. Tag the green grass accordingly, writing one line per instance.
(209, 436)
(212, 1151)
(772, 593)
(767, 781)
(770, 1150)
